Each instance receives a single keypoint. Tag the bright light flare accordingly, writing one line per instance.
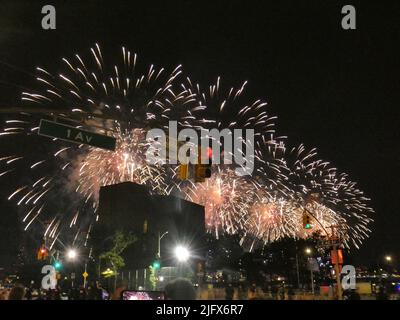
(182, 253)
(72, 254)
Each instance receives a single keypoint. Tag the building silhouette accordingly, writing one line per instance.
(133, 208)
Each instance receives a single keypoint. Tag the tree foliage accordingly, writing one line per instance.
(120, 242)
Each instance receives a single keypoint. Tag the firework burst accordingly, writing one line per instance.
(122, 100)
(310, 185)
(58, 183)
(226, 198)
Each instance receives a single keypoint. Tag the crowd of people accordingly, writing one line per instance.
(178, 289)
(17, 291)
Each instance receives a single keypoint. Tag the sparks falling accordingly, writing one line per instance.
(123, 98)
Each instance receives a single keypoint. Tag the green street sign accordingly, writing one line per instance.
(68, 133)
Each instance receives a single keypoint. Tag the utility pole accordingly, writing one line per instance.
(337, 272)
(310, 263)
(297, 269)
(335, 245)
(312, 280)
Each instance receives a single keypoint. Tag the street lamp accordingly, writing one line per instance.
(308, 251)
(71, 254)
(160, 236)
(182, 253)
(388, 258)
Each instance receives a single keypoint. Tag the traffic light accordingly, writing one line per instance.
(337, 256)
(57, 265)
(43, 253)
(207, 166)
(199, 173)
(203, 170)
(183, 172)
(156, 264)
(306, 221)
(207, 170)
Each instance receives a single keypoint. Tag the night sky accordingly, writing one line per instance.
(333, 89)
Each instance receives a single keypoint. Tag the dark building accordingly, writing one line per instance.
(132, 208)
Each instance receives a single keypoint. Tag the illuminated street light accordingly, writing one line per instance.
(182, 253)
(308, 251)
(388, 258)
(71, 254)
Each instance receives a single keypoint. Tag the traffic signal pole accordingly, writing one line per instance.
(312, 281)
(297, 270)
(335, 247)
(334, 241)
(337, 272)
(297, 267)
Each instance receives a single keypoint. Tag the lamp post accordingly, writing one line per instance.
(71, 255)
(157, 270)
(308, 252)
(159, 243)
(388, 262)
(297, 269)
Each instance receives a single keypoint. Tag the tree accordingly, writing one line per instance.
(113, 256)
(152, 278)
